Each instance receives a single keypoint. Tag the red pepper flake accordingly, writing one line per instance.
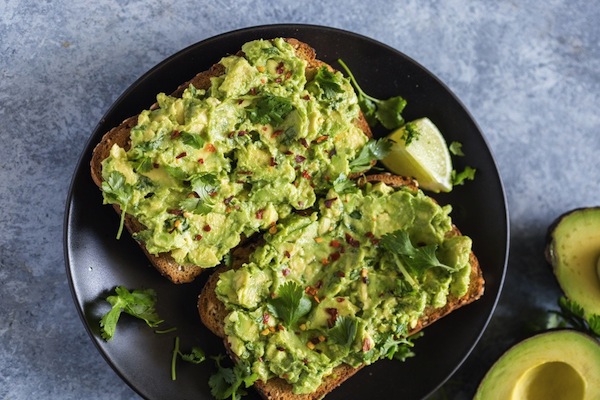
(277, 133)
(288, 75)
(304, 143)
(206, 228)
(333, 315)
(272, 163)
(311, 291)
(242, 133)
(280, 348)
(285, 271)
(324, 261)
(279, 68)
(332, 152)
(287, 254)
(198, 237)
(245, 172)
(340, 299)
(227, 200)
(278, 80)
(307, 97)
(351, 241)
(335, 243)
(300, 159)
(319, 284)
(266, 318)
(240, 101)
(155, 165)
(175, 134)
(305, 174)
(201, 161)
(259, 213)
(253, 91)
(334, 256)
(181, 155)
(341, 274)
(321, 138)
(329, 202)
(175, 212)
(210, 148)
(367, 345)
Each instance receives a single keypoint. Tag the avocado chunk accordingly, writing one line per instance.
(573, 250)
(559, 365)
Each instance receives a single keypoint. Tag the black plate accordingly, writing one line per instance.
(97, 262)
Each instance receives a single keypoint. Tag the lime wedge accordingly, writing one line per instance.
(426, 156)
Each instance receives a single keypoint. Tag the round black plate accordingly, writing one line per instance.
(96, 262)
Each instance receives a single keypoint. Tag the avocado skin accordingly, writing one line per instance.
(578, 231)
(564, 349)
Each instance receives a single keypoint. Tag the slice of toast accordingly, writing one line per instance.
(120, 135)
(213, 312)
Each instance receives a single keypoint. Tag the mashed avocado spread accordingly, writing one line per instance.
(204, 169)
(345, 284)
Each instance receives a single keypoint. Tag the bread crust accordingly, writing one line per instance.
(213, 312)
(120, 135)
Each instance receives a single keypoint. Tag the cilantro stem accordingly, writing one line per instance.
(407, 276)
(354, 82)
(174, 359)
(121, 223)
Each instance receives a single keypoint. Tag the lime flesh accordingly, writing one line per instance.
(426, 157)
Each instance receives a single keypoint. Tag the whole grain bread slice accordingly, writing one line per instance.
(213, 312)
(120, 135)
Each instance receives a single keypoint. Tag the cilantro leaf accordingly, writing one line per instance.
(416, 259)
(456, 149)
(573, 315)
(116, 190)
(388, 112)
(344, 185)
(226, 383)
(138, 303)
(192, 140)
(344, 331)
(204, 186)
(410, 133)
(327, 82)
(143, 164)
(459, 178)
(290, 303)
(270, 109)
(371, 151)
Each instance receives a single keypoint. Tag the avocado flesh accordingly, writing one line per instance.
(559, 365)
(573, 251)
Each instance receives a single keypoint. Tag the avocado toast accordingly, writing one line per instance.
(242, 186)
(362, 306)
(241, 145)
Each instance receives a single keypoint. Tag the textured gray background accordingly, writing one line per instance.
(527, 70)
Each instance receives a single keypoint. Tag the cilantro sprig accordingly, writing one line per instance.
(117, 190)
(270, 109)
(374, 149)
(410, 258)
(139, 303)
(227, 383)
(204, 186)
(388, 112)
(290, 303)
(195, 356)
(572, 315)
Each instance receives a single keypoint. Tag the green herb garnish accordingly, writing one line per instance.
(371, 151)
(227, 383)
(196, 356)
(116, 190)
(459, 178)
(387, 112)
(138, 303)
(290, 303)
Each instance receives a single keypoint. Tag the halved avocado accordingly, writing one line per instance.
(573, 249)
(557, 365)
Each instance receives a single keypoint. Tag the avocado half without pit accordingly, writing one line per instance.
(557, 365)
(573, 250)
